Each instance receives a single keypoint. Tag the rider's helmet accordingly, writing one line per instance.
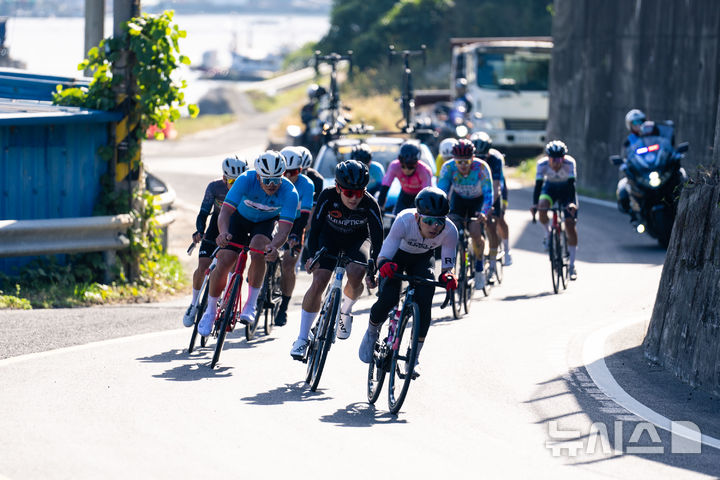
(293, 159)
(464, 149)
(306, 156)
(233, 167)
(362, 153)
(556, 149)
(446, 147)
(352, 175)
(482, 142)
(634, 118)
(460, 86)
(270, 164)
(312, 90)
(409, 154)
(433, 202)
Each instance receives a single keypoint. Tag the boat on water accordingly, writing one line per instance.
(5, 60)
(238, 66)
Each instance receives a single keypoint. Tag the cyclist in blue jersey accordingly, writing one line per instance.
(555, 183)
(497, 227)
(363, 154)
(472, 196)
(212, 202)
(256, 201)
(305, 189)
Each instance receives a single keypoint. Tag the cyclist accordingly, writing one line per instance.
(257, 199)
(444, 153)
(305, 189)
(363, 154)
(211, 204)
(346, 217)
(555, 182)
(412, 174)
(307, 170)
(498, 228)
(409, 247)
(472, 195)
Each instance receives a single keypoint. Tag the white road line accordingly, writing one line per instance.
(594, 360)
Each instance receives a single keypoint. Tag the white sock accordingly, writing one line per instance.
(417, 357)
(212, 304)
(506, 245)
(251, 300)
(347, 304)
(196, 293)
(572, 249)
(306, 321)
(546, 229)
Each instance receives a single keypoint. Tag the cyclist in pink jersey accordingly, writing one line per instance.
(412, 174)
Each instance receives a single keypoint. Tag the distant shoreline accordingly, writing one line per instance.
(190, 10)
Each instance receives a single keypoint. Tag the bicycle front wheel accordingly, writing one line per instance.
(456, 299)
(402, 365)
(378, 367)
(323, 338)
(555, 260)
(228, 310)
(564, 260)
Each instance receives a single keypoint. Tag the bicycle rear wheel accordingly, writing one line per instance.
(378, 367)
(323, 338)
(564, 260)
(198, 316)
(456, 299)
(555, 260)
(499, 264)
(469, 289)
(227, 312)
(403, 359)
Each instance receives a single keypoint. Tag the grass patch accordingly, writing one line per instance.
(589, 192)
(284, 98)
(47, 284)
(188, 126)
(524, 172)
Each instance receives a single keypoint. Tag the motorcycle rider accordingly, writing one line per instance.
(462, 95)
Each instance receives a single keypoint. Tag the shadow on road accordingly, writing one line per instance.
(291, 392)
(361, 414)
(512, 298)
(191, 372)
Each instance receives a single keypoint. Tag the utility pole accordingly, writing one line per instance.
(94, 26)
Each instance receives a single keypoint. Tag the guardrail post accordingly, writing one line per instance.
(109, 258)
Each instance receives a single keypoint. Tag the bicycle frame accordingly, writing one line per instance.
(407, 100)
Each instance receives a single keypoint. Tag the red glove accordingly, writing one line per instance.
(388, 269)
(449, 280)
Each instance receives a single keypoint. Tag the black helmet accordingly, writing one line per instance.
(352, 175)
(362, 153)
(464, 149)
(556, 149)
(432, 201)
(409, 153)
(482, 142)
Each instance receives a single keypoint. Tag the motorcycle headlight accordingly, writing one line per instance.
(654, 179)
(461, 131)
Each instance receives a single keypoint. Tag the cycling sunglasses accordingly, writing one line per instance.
(637, 122)
(463, 161)
(268, 181)
(293, 172)
(427, 220)
(350, 193)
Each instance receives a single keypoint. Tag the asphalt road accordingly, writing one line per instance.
(529, 385)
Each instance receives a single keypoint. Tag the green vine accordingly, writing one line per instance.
(150, 44)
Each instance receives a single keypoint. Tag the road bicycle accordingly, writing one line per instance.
(558, 249)
(324, 329)
(231, 304)
(499, 265)
(201, 300)
(465, 271)
(269, 300)
(332, 119)
(396, 351)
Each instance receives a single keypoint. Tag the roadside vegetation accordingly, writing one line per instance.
(188, 125)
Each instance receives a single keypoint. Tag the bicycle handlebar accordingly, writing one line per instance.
(370, 264)
(191, 248)
(424, 281)
(243, 248)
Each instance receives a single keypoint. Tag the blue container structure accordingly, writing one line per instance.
(49, 165)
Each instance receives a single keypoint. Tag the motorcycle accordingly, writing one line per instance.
(452, 120)
(649, 191)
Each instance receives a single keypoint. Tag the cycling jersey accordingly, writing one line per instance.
(332, 217)
(211, 203)
(306, 191)
(405, 235)
(439, 162)
(546, 173)
(410, 184)
(496, 162)
(316, 179)
(377, 173)
(251, 201)
(475, 184)
(555, 185)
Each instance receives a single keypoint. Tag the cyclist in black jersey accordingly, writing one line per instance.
(212, 202)
(346, 217)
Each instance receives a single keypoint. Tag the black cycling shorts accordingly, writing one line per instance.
(208, 245)
(465, 207)
(243, 230)
(356, 248)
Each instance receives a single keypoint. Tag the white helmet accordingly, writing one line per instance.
(634, 117)
(446, 147)
(233, 167)
(270, 164)
(306, 156)
(293, 159)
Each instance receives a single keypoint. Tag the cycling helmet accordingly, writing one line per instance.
(293, 159)
(556, 149)
(433, 202)
(634, 116)
(270, 164)
(312, 90)
(446, 147)
(362, 153)
(306, 156)
(233, 167)
(482, 142)
(352, 175)
(409, 153)
(460, 83)
(464, 149)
